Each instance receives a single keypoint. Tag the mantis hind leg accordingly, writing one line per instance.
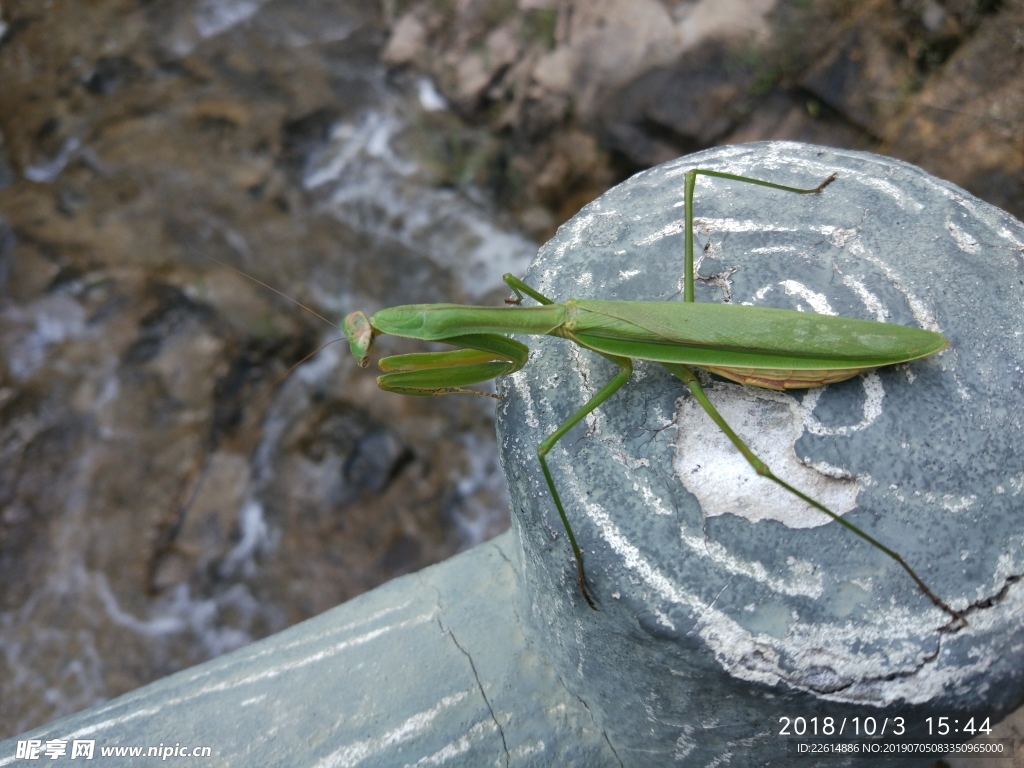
(690, 182)
(688, 377)
(548, 443)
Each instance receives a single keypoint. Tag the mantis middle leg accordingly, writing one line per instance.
(548, 443)
(609, 389)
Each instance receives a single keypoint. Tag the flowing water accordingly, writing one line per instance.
(162, 501)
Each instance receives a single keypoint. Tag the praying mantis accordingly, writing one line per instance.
(776, 349)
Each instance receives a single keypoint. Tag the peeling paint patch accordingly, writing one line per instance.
(711, 468)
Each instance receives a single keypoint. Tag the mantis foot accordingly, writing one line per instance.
(583, 581)
(824, 184)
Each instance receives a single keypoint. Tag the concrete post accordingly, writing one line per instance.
(728, 606)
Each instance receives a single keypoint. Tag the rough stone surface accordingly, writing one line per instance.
(432, 667)
(781, 616)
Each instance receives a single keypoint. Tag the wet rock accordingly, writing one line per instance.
(864, 75)
(541, 69)
(679, 108)
(164, 497)
(966, 124)
(407, 42)
(377, 458)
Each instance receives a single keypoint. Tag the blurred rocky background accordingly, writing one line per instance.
(164, 496)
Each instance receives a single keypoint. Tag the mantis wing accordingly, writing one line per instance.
(774, 348)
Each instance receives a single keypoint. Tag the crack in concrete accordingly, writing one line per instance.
(998, 597)
(479, 682)
(888, 677)
(603, 732)
(497, 548)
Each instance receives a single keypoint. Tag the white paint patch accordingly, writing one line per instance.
(597, 427)
(739, 225)
(714, 471)
(526, 750)
(1008, 235)
(772, 249)
(653, 502)
(965, 241)
(871, 409)
(924, 316)
(675, 228)
(806, 581)
(353, 754)
(759, 658)
(664, 620)
(517, 381)
(458, 747)
(871, 302)
(817, 301)
(952, 503)
(900, 197)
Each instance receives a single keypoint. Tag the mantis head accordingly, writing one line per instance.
(359, 333)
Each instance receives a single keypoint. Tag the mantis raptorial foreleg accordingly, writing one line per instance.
(483, 358)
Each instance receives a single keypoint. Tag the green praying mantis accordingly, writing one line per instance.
(758, 346)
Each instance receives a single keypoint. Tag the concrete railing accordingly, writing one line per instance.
(732, 620)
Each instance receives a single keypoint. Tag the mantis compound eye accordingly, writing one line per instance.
(359, 333)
